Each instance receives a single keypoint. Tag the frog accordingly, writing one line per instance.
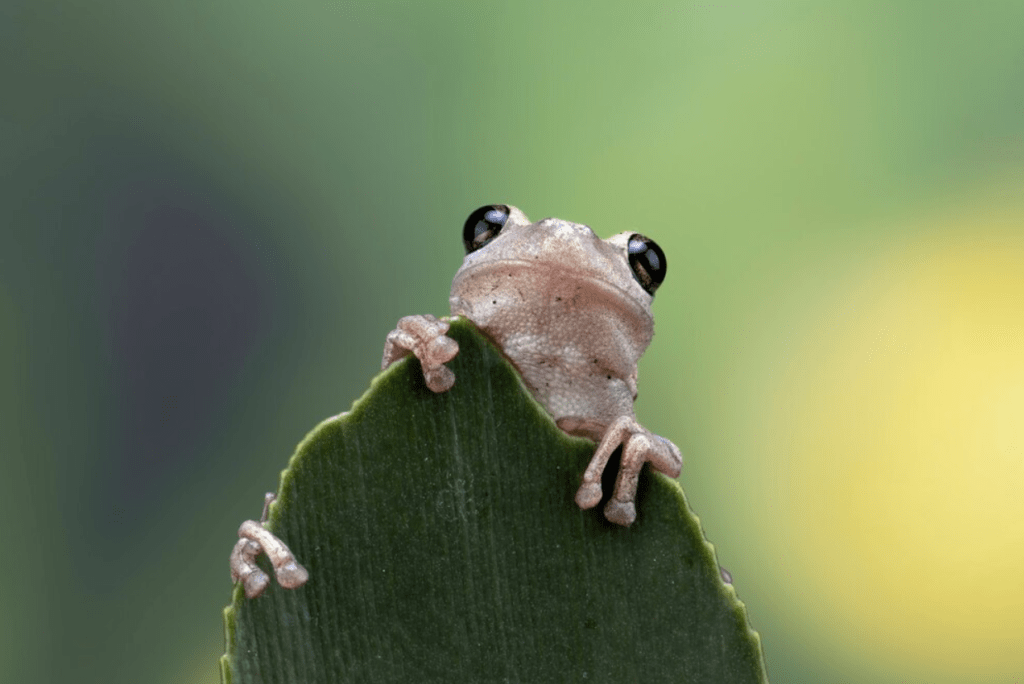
(572, 313)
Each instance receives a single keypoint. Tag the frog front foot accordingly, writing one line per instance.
(253, 539)
(639, 446)
(423, 336)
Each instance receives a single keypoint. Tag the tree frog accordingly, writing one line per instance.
(572, 313)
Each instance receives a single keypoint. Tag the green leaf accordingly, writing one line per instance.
(444, 545)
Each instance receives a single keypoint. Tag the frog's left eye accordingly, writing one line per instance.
(647, 262)
(483, 225)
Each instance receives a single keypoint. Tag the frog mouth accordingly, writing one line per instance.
(547, 276)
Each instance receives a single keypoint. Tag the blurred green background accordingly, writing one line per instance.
(213, 212)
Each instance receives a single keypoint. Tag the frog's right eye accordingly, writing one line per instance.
(483, 225)
(647, 262)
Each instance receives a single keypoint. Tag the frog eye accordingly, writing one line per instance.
(483, 225)
(647, 262)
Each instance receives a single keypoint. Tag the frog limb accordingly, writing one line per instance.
(423, 336)
(253, 539)
(639, 446)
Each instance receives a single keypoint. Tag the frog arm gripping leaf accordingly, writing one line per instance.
(254, 538)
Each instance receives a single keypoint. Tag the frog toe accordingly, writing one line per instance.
(588, 495)
(620, 512)
(439, 379)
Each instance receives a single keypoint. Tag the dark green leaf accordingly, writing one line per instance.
(443, 545)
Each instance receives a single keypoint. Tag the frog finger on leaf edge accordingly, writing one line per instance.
(572, 313)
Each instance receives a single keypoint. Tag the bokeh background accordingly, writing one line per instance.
(212, 213)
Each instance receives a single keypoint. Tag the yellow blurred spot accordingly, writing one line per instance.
(896, 433)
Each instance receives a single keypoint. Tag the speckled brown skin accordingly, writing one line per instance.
(563, 306)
